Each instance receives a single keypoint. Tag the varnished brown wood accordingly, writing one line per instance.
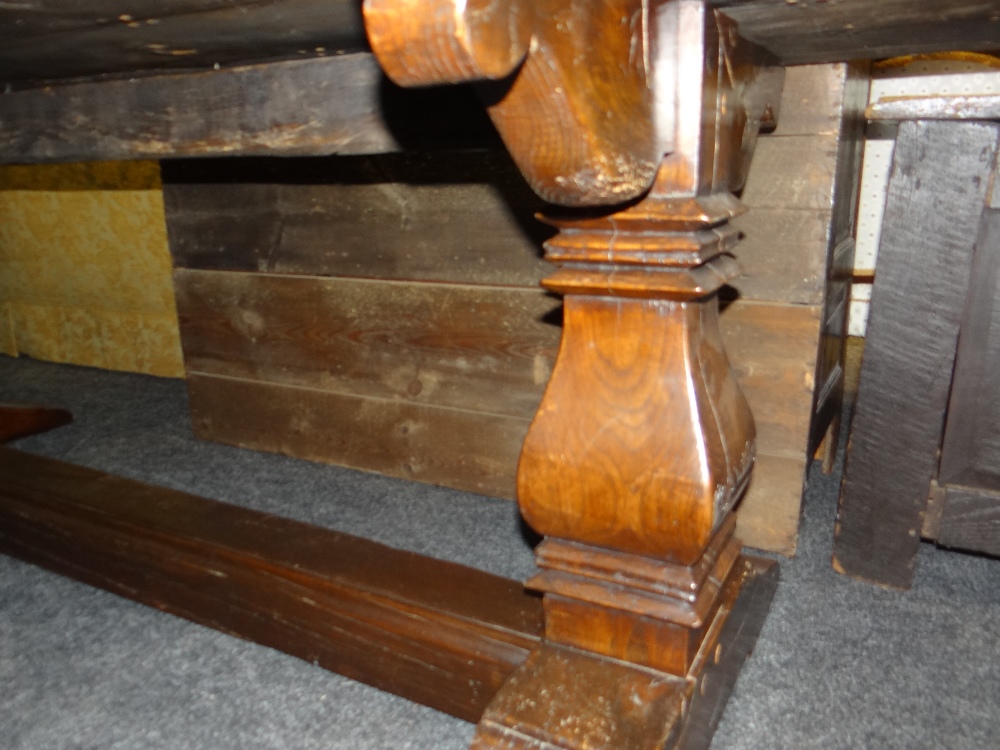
(432, 631)
(643, 442)
(568, 698)
(554, 113)
(937, 192)
(22, 421)
(551, 115)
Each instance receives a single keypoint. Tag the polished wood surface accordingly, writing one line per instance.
(643, 442)
(18, 421)
(435, 632)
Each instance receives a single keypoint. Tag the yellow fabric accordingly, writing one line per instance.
(85, 272)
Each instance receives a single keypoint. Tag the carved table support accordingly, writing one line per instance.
(643, 442)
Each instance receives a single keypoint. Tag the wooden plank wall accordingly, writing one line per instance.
(786, 329)
(384, 312)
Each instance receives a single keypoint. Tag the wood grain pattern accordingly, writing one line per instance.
(468, 450)
(772, 349)
(459, 217)
(630, 373)
(773, 184)
(318, 106)
(596, 699)
(936, 195)
(63, 39)
(768, 515)
(483, 349)
(553, 113)
(432, 631)
(970, 520)
(328, 105)
(970, 451)
(813, 31)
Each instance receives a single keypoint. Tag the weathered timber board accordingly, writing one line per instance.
(62, 39)
(479, 348)
(330, 105)
(67, 39)
(970, 520)
(772, 349)
(458, 217)
(465, 218)
(773, 183)
(469, 450)
(814, 31)
(970, 453)
(783, 255)
(432, 631)
(935, 198)
(768, 515)
(22, 421)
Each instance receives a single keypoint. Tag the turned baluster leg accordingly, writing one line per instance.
(643, 442)
(641, 447)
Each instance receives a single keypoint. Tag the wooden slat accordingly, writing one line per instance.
(813, 31)
(783, 255)
(66, 38)
(936, 196)
(22, 421)
(462, 217)
(62, 39)
(468, 450)
(970, 520)
(936, 108)
(970, 453)
(330, 105)
(768, 515)
(786, 172)
(432, 631)
(772, 349)
(478, 348)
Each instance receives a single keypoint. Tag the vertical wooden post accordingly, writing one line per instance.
(643, 442)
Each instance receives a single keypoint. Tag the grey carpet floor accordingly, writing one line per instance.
(839, 664)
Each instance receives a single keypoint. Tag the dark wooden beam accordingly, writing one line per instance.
(66, 38)
(331, 105)
(434, 632)
(814, 31)
(22, 421)
(940, 177)
(61, 39)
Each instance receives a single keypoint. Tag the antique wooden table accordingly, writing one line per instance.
(640, 118)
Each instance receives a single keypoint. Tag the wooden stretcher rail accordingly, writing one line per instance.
(58, 40)
(435, 632)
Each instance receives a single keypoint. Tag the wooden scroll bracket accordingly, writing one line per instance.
(643, 442)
